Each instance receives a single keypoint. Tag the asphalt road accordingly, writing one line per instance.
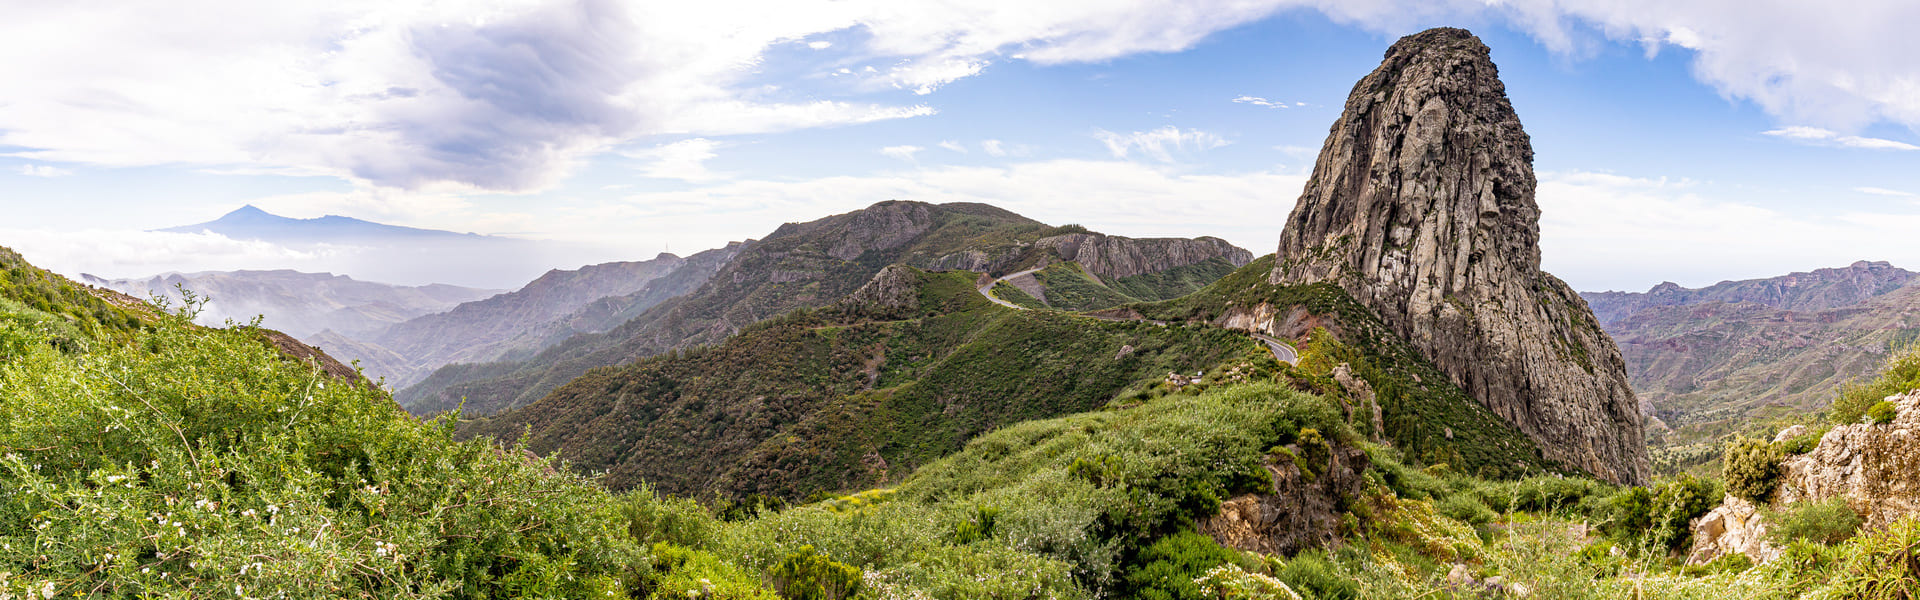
(1281, 351)
(987, 290)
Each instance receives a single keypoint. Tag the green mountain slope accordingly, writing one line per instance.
(803, 265)
(35, 298)
(855, 394)
(1423, 413)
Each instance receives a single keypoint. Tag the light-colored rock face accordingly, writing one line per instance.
(1734, 527)
(1876, 468)
(1422, 208)
(1116, 257)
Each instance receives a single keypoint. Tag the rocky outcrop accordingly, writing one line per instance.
(893, 293)
(1114, 257)
(1734, 527)
(1421, 207)
(1818, 290)
(1876, 468)
(1301, 511)
(1108, 256)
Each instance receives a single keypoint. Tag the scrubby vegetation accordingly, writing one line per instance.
(1859, 401)
(830, 400)
(166, 460)
(1431, 420)
(194, 462)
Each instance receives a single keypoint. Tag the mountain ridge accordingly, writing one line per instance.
(799, 265)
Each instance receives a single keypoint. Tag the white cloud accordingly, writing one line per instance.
(1159, 144)
(954, 146)
(684, 160)
(512, 94)
(43, 171)
(1823, 137)
(993, 148)
(1885, 192)
(820, 45)
(1604, 231)
(1258, 101)
(901, 152)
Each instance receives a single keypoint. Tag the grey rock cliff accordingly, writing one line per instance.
(1421, 206)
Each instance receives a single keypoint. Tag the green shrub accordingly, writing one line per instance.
(1826, 522)
(1751, 469)
(1314, 577)
(1725, 563)
(1900, 374)
(1804, 443)
(1881, 413)
(978, 528)
(1466, 508)
(1554, 493)
(689, 573)
(1883, 564)
(1167, 569)
(1230, 582)
(806, 575)
(653, 518)
(1658, 518)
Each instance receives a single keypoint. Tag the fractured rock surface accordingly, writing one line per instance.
(1421, 206)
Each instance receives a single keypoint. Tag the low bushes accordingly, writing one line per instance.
(1824, 522)
(1751, 469)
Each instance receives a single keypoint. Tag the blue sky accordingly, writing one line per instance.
(1691, 142)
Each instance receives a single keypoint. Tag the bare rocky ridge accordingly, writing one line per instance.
(1818, 290)
(1421, 207)
(1108, 256)
(1702, 360)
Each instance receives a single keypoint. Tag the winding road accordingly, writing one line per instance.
(987, 290)
(1282, 351)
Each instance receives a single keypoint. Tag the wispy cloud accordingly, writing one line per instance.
(954, 146)
(901, 152)
(993, 148)
(684, 160)
(1885, 192)
(1258, 101)
(1159, 144)
(43, 171)
(1824, 137)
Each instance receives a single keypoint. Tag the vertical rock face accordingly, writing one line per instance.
(1422, 208)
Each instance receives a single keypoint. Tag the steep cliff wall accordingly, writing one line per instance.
(1422, 208)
